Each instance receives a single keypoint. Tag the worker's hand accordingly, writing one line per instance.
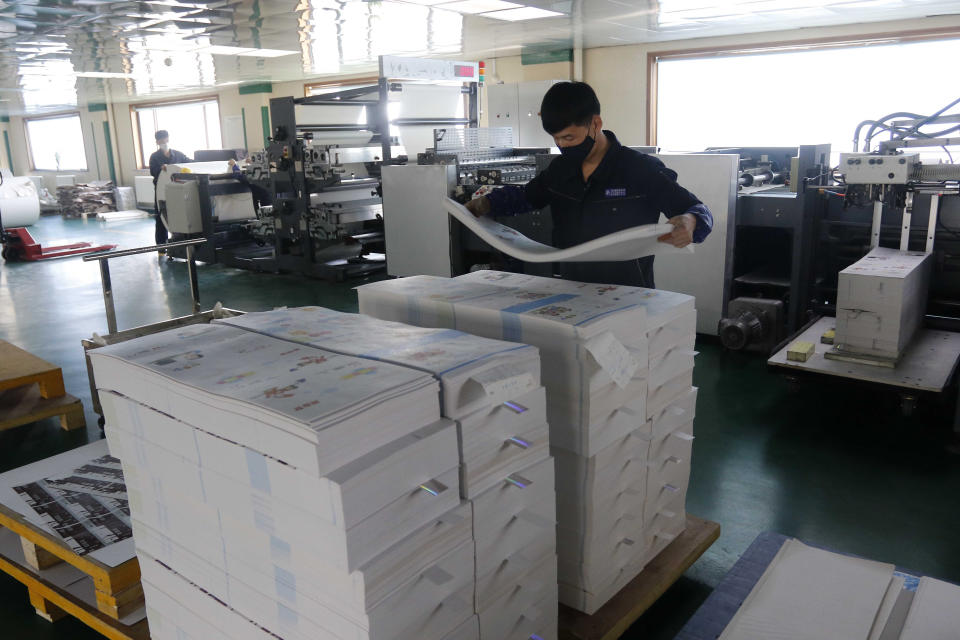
(478, 206)
(682, 234)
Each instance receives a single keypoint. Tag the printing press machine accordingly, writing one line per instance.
(316, 186)
(421, 238)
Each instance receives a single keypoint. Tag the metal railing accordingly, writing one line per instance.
(104, 260)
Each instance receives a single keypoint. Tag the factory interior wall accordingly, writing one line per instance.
(5, 135)
(618, 74)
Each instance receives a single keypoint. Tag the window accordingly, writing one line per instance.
(192, 126)
(812, 96)
(56, 143)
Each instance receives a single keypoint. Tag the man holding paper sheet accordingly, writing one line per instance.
(597, 186)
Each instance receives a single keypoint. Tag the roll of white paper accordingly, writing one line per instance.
(212, 168)
(19, 212)
(19, 203)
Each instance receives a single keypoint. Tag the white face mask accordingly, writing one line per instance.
(164, 147)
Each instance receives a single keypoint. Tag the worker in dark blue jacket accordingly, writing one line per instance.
(163, 156)
(597, 186)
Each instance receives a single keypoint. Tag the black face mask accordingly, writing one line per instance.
(578, 153)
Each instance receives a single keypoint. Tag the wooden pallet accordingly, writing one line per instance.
(614, 618)
(19, 368)
(37, 558)
(31, 389)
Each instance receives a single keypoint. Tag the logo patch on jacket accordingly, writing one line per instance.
(615, 192)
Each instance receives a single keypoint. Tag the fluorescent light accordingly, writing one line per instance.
(101, 74)
(522, 13)
(268, 53)
(478, 6)
(425, 3)
(50, 73)
(224, 50)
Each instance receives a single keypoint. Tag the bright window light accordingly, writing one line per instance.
(696, 108)
(56, 144)
(523, 13)
(478, 6)
(192, 126)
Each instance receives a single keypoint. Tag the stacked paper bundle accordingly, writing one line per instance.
(808, 593)
(881, 302)
(492, 390)
(82, 199)
(617, 366)
(283, 491)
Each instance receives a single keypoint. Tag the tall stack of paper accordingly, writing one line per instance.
(881, 301)
(620, 430)
(283, 491)
(492, 390)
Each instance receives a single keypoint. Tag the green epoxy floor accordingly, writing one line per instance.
(832, 464)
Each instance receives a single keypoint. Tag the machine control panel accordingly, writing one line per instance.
(869, 168)
(426, 69)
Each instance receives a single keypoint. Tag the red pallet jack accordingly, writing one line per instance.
(18, 244)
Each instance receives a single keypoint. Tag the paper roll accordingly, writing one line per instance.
(212, 168)
(19, 212)
(19, 203)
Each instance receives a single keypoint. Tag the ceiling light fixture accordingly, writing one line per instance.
(269, 53)
(521, 13)
(478, 6)
(101, 74)
(224, 50)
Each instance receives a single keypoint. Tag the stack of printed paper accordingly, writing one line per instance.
(881, 301)
(492, 390)
(619, 438)
(281, 490)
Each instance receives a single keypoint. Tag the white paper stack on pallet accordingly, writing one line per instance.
(279, 490)
(620, 430)
(492, 390)
(881, 301)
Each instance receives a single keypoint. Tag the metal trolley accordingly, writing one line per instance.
(114, 336)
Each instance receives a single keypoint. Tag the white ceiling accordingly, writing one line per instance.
(60, 53)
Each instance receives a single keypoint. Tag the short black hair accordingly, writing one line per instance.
(566, 104)
(160, 135)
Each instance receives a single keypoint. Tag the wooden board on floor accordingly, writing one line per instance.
(614, 618)
(19, 368)
(26, 404)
